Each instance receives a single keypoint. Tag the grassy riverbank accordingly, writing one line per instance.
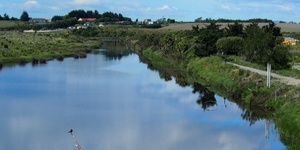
(247, 89)
(19, 47)
(173, 55)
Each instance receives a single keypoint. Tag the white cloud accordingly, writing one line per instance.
(147, 9)
(226, 7)
(285, 8)
(230, 8)
(85, 2)
(31, 3)
(167, 7)
(54, 8)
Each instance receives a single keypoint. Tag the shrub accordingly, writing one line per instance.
(35, 61)
(43, 61)
(60, 57)
(22, 61)
(230, 45)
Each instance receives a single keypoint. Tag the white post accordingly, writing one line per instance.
(269, 75)
(267, 128)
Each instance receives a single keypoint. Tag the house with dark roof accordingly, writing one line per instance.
(38, 21)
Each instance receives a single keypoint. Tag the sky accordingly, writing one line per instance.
(180, 10)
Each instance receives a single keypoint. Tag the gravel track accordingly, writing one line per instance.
(283, 79)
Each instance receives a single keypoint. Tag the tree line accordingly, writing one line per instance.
(6, 17)
(105, 17)
(65, 21)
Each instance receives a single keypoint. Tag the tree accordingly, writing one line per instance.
(206, 97)
(171, 20)
(280, 57)
(96, 14)
(256, 46)
(121, 18)
(5, 17)
(24, 16)
(198, 19)
(13, 18)
(235, 29)
(78, 14)
(262, 45)
(1, 18)
(89, 14)
(207, 38)
(57, 18)
(230, 45)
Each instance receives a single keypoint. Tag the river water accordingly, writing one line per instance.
(117, 103)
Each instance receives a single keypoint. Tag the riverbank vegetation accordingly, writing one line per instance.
(18, 47)
(203, 53)
(199, 56)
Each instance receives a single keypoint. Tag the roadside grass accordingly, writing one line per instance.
(295, 73)
(240, 61)
(211, 68)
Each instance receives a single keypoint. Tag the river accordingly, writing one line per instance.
(117, 103)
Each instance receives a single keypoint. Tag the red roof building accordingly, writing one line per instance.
(87, 19)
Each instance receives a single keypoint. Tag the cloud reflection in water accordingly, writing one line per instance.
(114, 105)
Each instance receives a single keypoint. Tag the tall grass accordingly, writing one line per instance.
(14, 45)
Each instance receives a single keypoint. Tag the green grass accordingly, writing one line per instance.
(7, 24)
(16, 45)
(286, 72)
(212, 67)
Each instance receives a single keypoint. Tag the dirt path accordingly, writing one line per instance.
(284, 79)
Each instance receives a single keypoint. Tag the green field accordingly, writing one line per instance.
(7, 24)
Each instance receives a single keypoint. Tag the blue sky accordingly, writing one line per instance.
(180, 10)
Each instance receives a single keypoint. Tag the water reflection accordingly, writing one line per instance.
(116, 105)
(206, 97)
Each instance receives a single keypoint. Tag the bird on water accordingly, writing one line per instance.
(71, 131)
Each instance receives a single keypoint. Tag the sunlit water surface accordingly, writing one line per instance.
(115, 104)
